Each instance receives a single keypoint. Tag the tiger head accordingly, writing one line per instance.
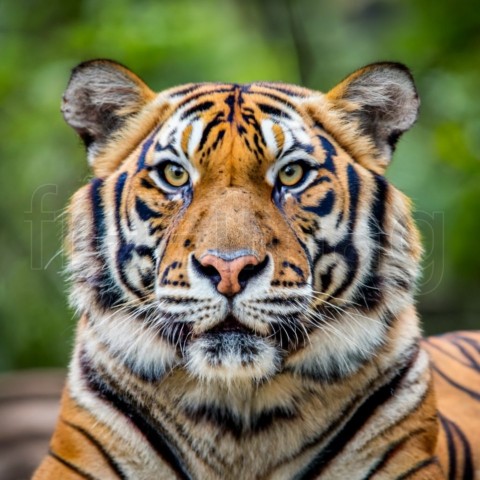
(236, 231)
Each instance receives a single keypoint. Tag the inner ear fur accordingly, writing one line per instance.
(101, 95)
(380, 102)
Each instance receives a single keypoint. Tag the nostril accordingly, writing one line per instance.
(207, 270)
(251, 270)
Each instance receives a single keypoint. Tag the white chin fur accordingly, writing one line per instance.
(232, 357)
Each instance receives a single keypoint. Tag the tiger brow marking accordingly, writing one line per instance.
(204, 93)
(271, 110)
(200, 107)
(277, 98)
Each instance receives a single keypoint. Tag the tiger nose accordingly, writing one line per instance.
(229, 275)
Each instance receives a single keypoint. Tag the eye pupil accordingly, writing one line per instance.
(289, 171)
(177, 172)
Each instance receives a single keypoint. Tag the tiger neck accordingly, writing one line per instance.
(243, 407)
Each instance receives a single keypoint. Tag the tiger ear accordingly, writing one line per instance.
(101, 95)
(382, 101)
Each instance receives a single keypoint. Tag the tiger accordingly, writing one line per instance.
(244, 276)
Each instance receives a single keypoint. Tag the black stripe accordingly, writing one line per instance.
(431, 344)
(146, 146)
(187, 89)
(452, 454)
(119, 186)
(199, 107)
(419, 466)
(369, 293)
(377, 219)
(198, 95)
(391, 451)
(125, 250)
(354, 424)
(281, 88)
(282, 100)
(347, 247)
(213, 123)
(71, 466)
(324, 206)
(219, 138)
(330, 152)
(144, 211)
(473, 361)
(108, 293)
(471, 393)
(270, 110)
(151, 430)
(468, 473)
(98, 212)
(109, 459)
(474, 343)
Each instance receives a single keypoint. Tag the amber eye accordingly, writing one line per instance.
(175, 175)
(291, 174)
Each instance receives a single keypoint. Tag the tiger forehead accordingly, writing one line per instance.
(261, 120)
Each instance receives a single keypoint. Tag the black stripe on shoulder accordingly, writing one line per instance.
(390, 453)
(471, 341)
(452, 453)
(440, 349)
(354, 424)
(109, 459)
(71, 466)
(418, 467)
(474, 361)
(472, 393)
(468, 472)
(150, 430)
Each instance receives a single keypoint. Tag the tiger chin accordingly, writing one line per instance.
(244, 276)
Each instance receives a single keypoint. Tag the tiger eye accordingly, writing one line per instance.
(291, 174)
(175, 175)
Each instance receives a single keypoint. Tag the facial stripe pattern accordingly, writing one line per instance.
(244, 276)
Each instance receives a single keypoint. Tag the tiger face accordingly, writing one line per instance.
(237, 231)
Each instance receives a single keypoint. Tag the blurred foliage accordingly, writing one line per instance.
(170, 42)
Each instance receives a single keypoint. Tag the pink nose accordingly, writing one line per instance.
(229, 271)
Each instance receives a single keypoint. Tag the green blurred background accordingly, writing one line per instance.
(309, 42)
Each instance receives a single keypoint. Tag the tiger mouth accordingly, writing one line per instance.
(231, 325)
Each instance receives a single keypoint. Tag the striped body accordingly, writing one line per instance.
(244, 274)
